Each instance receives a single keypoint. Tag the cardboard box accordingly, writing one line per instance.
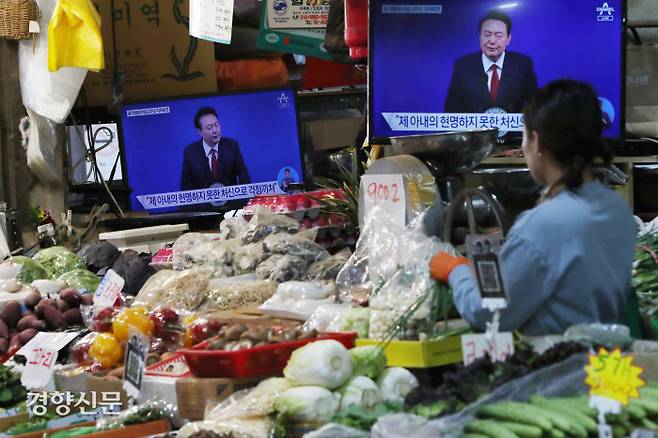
(194, 394)
(417, 354)
(154, 51)
(83, 382)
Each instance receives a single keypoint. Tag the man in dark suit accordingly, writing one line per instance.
(213, 159)
(493, 77)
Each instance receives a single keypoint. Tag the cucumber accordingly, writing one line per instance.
(650, 406)
(489, 428)
(556, 433)
(523, 430)
(649, 392)
(649, 425)
(635, 412)
(474, 435)
(517, 413)
(564, 423)
(584, 423)
(580, 404)
(618, 431)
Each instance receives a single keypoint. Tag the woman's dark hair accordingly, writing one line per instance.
(567, 117)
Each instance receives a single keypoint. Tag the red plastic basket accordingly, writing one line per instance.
(263, 360)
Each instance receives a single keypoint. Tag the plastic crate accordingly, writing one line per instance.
(256, 361)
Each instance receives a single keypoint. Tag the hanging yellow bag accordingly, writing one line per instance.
(74, 36)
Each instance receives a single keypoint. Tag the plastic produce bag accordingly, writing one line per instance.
(58, 260)
(184, 244)
(30, 269)
(41, 147)
(180, 290)
(258, 427)
(98, 255)
(295, 245)
(299, 299)
(328, 318)
(247, 257)
(74, 36)
(560, 379)
(81, 279)
(134, 268)
(49, 94)
(233, 295)
(150, 410)
(232, 227)
(264, 223)
(328, 268)
(282, 268)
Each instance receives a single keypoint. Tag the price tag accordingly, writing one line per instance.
(33, 27)
(212, 20)
(135, 362)
(386, 192)
(109, 289)
(613, 380)
(39, 367)
(498, 347)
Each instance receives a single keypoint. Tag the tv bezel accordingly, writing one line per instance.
(123, 144)
(616, 142)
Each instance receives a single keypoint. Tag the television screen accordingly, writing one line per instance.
(202, 153)
(451, 65)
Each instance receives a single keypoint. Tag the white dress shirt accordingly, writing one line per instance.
(488, 63)
(209, 154)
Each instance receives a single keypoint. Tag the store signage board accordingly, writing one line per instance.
(108, 290)
(212, 20)
(287, 14)
(499, 347)
(613, 380)
(308, 42)
(386, 192)
(135, 362)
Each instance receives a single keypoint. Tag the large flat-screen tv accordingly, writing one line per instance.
(431, 61)
(208, 153)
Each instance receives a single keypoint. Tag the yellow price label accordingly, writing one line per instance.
(612, 375)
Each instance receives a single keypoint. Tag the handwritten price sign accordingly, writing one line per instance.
(499, 347)
(109, 289)
(613, 376)
(39, 367)
(386, 192)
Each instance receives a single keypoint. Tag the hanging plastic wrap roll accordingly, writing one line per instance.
(421, 192)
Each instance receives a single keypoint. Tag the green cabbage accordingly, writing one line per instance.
(357, 319)
(323, 363)
(359, 391)
(368, 361)
(58, 260)
(81, 279)
(31, 270)
(395, 383)
(307, 404)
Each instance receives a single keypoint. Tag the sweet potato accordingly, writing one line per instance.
(87, 299)
(26, 322)
(32, 300)
(73, 317)
(4, 330)
(4, 345)
(46, 302)
(38, 324)
(71, 296)
(26, 335)
(14, 341)
(54, 318)
(62, 305)
(11, 313)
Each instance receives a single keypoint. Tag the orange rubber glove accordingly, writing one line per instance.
(442, 265)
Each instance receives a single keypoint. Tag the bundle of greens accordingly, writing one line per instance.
(12, 392)
(645, 274)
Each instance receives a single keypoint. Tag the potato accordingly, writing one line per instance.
(4, 345)
(87, 299)
(73, 317)
(71, 296)
(4, 330)
(233, 334)
(26, 335)
(11, 313)
(216, 344)
(62, 305)
(26, 322)
(32, 300)
(54, 318)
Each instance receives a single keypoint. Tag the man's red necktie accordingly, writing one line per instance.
(213, 162)
(495, 83)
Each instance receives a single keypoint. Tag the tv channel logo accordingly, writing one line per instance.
(605, 12)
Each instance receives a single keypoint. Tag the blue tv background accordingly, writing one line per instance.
(414, 54)
(267, 134)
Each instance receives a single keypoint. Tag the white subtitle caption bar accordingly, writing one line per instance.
(512, 122)
(204, 196)
(412, 9)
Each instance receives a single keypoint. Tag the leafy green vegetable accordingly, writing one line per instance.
(81, 279)
(363, 419)
(360, 391)
(324, 363)
(368, 361)
(395, 383)
(307, 403)
(31, 270)
(78, 431)
(357, 319)
(12, 392)
(58, 260)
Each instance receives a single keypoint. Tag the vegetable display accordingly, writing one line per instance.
(242, 336)
(12, 391)
(324, 363)
(81, 279)
(58, 260)
(31, 270)
(645, 274)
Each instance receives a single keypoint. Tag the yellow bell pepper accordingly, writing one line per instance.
(74, 36)
(106, 350)
(137, 317)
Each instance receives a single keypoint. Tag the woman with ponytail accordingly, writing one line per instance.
(568, 260)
